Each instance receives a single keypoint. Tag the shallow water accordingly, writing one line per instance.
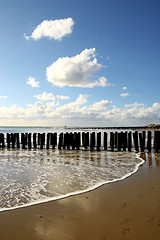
(32, 176)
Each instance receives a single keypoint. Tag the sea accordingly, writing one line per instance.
(29, 176)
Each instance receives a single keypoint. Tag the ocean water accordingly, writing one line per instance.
(29, 177)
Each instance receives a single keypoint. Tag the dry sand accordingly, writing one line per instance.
(128, 209)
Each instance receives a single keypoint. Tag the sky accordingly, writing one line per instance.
(79, 62)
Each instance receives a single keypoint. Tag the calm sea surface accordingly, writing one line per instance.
(32, 176)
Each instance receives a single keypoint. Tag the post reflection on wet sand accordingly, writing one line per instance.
(152, 159)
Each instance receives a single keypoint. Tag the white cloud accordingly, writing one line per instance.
(135, 105)
(124, 94)
(3, 97)
(124, 88)
(77, 71)
(79, 113)
(55, 29)
(49, 96)
(31, 81)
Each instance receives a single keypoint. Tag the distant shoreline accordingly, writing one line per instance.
(149, 127)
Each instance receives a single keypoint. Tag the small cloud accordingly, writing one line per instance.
(3, 97)
(135, 105)
(124, 88)
(55, 29)
(31, 81)
(124, 94)
(26, 37)
(108, 58)
(49, 96)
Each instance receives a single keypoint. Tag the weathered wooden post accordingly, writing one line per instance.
(77, 137)
(86, 140)
(48, 141)
(157, 141)
(8, 140)
(72, 141)
(135, 138)
(144, 138)
(112, 141)
(17, 140)
(65, 140)
(83, 139)
(141, 142)
(149, 141)
(13, 140)
(34, 140)
(129, 141)
(105, 141)
(39, 139)
(29, 141)
(115, 139)
(98, 141)
(119, 141)
(60, 141)
(124, 141)
(53, 140)
(2, 140)
(23, 141)
(26, 138)
(92, 140)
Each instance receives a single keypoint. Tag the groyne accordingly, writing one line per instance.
(113, 141)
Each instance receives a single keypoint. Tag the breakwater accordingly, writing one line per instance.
(113, 141)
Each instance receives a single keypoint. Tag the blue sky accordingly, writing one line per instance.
(75, 62)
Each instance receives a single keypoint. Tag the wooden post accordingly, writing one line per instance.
(83, 139)
(53, 140)
(48, 141)
(115, 139)
(112, 141)
(26, 138)
(98, 141)
(144, 138)
(34, 140)
(105, 141)
(157, 141)
(8, 140)
(17, 140)
(141, 142)
(60, 141)
(119, 141)
(72, 141)
(135, 138)
(13, 140)
(39, 139)
(149, 141)
(23, 140)
(86, 140)
(65, 142)
(77, 138)
(129, 141)
(29, 141)
(124, 141)
(92, 140)
(2, 140)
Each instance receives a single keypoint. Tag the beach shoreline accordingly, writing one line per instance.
(127, 209)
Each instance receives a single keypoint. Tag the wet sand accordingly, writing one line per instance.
(128, 209)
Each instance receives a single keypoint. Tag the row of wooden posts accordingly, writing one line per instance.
(120, 141)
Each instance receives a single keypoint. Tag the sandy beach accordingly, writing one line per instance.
(127, 209)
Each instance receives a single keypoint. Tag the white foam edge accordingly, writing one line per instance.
(78, 192)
